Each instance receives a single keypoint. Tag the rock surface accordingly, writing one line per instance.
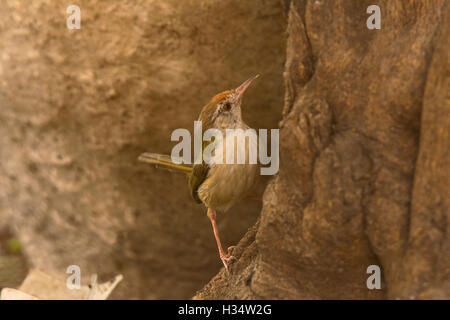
(78, 106)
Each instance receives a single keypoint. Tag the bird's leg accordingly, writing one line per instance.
(226, 258)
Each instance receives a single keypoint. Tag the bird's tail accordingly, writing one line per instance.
(164, 161)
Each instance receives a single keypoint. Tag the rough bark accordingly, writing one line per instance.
(364, 160)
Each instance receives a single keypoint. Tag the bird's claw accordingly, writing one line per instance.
(230, 249)
(226, 259)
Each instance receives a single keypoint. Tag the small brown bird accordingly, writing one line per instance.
(218, 185)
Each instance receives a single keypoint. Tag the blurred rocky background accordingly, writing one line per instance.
(78, 106)
(13, 264)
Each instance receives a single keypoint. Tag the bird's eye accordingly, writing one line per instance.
(227, 106)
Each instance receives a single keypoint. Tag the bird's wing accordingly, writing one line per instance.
(164, 161)
(196, 178)
(199, 174)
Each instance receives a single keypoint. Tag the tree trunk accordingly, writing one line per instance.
(364, 150)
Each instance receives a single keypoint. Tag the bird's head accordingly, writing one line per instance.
(224, 109)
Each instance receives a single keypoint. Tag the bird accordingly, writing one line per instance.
(217, 184)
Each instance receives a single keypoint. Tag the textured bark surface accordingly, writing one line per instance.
(77, 107)
(364, 160)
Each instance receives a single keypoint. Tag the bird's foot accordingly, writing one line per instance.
(231, 248)
(226, 259)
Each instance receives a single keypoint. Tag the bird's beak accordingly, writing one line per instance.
(241, 89)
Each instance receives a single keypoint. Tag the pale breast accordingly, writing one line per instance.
(226, 184)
